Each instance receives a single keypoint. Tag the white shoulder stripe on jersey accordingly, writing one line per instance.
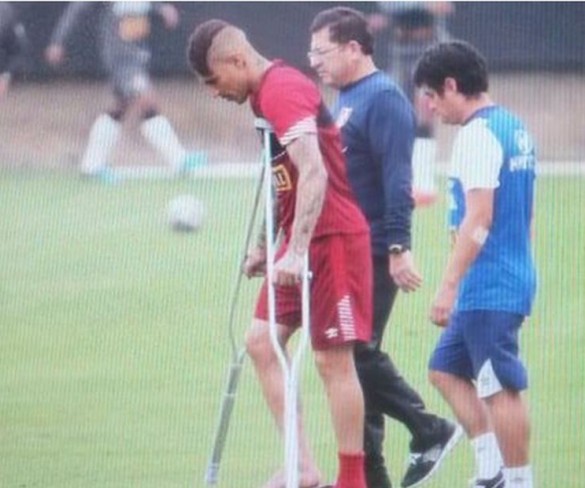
(477, 156)
(305, 126)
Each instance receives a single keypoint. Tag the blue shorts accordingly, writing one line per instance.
(482, 345)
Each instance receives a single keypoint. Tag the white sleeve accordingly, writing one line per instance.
(477, 157)
(305, 126)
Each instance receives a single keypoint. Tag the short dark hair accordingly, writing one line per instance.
(345, 25)
(453, 59)
(199, 43)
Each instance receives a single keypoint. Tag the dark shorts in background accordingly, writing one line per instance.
(131, 81)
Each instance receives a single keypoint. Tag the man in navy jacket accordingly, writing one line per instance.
(378, 129)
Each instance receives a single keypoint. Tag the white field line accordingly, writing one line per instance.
(252, 170)
(212, 171)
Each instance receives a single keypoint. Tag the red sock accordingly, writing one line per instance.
(351, 471)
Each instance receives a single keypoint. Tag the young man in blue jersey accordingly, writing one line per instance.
(377, 123)
(489, 283)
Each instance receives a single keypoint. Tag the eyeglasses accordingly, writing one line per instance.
(319, 53)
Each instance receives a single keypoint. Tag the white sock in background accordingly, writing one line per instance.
(488, 458)
(161, 135)
(103, 136)
(423, 166)
(520, 477)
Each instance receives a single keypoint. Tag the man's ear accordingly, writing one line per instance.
(450, 85)
(238, 60)
(355, 47)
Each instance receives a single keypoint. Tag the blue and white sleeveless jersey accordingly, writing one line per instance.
(494, 150)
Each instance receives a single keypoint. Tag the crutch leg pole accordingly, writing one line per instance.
(238, 354)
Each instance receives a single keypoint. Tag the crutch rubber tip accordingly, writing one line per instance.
(211, 475)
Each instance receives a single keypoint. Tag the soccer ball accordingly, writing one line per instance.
(185, 213)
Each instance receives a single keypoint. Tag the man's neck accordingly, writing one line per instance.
(475, 104)
(258, 66)
(363, 69)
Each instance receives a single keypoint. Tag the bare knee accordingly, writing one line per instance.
(146, 104)
(336, 362)
(321, 363)
(258, 345)
(119, 110)
(441, 381)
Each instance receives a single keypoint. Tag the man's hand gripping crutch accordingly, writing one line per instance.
(285, 272)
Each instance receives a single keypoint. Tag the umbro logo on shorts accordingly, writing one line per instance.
(331, 333)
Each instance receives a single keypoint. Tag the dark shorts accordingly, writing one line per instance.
(128, 67)
(130, 81)
(482, 345)
(341, 292)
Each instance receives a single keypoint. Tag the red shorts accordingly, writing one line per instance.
(341, 292)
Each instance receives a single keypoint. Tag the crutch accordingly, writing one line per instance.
(290, 368)
(238, 354)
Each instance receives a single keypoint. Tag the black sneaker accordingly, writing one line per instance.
(497, 481)
(424, 464)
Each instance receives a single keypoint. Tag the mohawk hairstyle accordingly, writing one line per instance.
(199, 43)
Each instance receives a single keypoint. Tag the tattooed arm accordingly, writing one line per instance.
(312, 182)
(305, 155)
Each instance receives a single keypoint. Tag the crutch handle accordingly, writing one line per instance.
(262, 124)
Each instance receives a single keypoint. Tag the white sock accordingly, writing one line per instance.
(159, 132)
(423, 165)
(520, 477)
(102, 138)
(488, 458)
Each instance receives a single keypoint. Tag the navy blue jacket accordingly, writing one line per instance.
(377, 123)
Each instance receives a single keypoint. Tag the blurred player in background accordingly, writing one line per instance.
(125, 28)
(413, 27)
(13, 45)
(317, 214)
(378, 126)
(489, 283)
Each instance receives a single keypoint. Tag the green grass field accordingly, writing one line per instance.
(114, 351)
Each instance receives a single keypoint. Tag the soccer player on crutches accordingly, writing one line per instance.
(290, 370)
(317, 214)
